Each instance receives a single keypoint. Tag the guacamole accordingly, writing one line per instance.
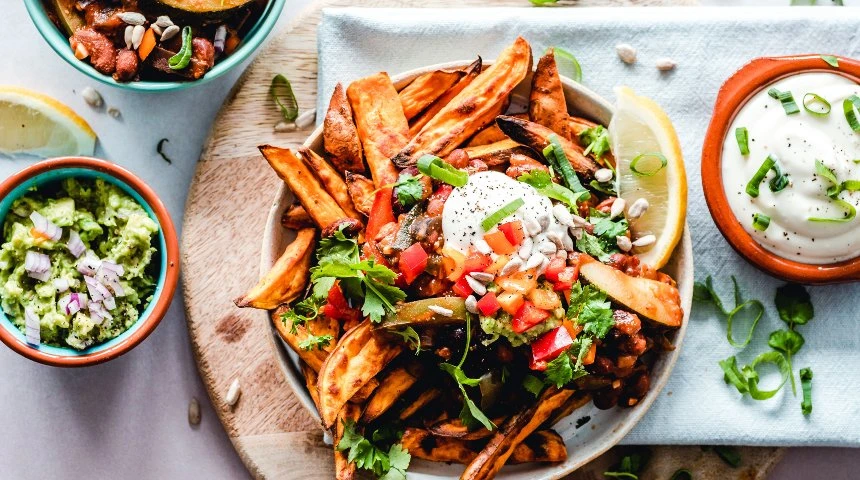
(107, 276)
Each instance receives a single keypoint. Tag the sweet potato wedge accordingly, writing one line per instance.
(313, 358)
(343, 468)
(331, 181)
(423, 399)
(578, 399)
(311, 383)
(547, 105)
(512, 433)
(454, 428)
(366, 390)
(498, 153)
(537, 137)
(357, 358)
(361, 191)
(381, 124)
(492, 133)
(543, 446)
(392, 386)
(340, 136)
(287, 278)
(426, 89)
(296, 218)
(304, 185)
(468, 112)
(470, 73)
(652, 299)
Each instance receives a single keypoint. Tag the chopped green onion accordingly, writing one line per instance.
(540, 3)
(786, 99)
(502, 214)
(850, 213)
(732, 374)
(567, 64)
(831, 60)
(806, 384)
(654, 168)
(282, 92)
(438, 169)
(606, 188)
(682, 474)
(851, 185)
(849, 105)
(742, 136)
(833, 192)
(772, 357)
(554, 153)
(760, 222)
(824, 171)
(779, 180)
(810, 99)
(740, 306)
(183, 56)
(777, 183)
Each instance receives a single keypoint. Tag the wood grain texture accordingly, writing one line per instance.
(226, 210)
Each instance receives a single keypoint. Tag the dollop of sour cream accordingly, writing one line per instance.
(484, 194)
(797, 141)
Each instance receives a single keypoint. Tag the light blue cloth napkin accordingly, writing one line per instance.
(709, 44)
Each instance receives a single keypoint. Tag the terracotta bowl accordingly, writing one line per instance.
(168, 255)
(733, 95)
(606, 427)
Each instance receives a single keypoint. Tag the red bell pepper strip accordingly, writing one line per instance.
(413, 261)
(476, 262)
(337, 307)
(381, 213)
(488, 305)
(462, 288)
(549, 346)
(513, 232)
(527, 317)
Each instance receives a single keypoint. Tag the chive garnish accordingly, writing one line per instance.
(183, 56)
(849, 106)
(777, 183)
(742, 136)
(760, 221)
(438, 169)
(833, 192)
(501, 214)
(811, 99)
(654, 168)
(831, 60)
(806, 384)
(786, 99)
(282, 92)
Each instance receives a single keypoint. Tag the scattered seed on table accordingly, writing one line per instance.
(306, 119)
(92, 97)
(665, 64)
(233, 393)
(626, 53)
(194, 411)
(283, 127)
(114, 112)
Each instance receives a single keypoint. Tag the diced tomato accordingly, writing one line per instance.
(337, 307)
(527, 317)
(476, 262)
(513, 232)
(488, 305)
(556, 265)
(413, 261)
(589, 357)
(499, 243)
(572, 328)
(510, 302)
(436, 202)
(566, 278)
(381, 213)
(550, 345)
(461, 288)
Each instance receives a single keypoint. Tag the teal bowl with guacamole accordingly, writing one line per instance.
(89, 261)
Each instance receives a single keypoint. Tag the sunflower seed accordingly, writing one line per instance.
(475, 285)
(543, 221)
(576, 232)
(137, 36)
(623, 243)
(445, 312)
(306, 119)
(511, 266)
(555, 237)
(471, 304)
(532, 226)
(283, 127)
(626, 53)
(603, 175)
(132, 18)
(578, 221)
(645, 241)
(561, 254)
(158, 30)
(81, 51)
(617, 208)
(169, 32)
(233, 393)
(566, 243)
(546, 248)
(638, 208)
(562, 214)
(526, 248)
(129, 30)
(92, 97)
(534, 261)
(665, 64)
(482, 277)
(482, 246)
(164, 21)
(194, 411)
(114, 112)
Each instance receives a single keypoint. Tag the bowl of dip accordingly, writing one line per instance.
(781, 166)
(89, 261)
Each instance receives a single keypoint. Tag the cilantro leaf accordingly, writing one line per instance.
(398, 462)
(560, 370)
(533, 385)
(410, 337)
(593, 246)
(315, 342)
(470, 414)
(591, 309)
(408, 189)
(390, 465)
(596, 141)
(606, 229)
(794, 304)
(301, 313)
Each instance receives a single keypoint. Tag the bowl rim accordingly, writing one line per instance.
(610, 438)
(160, 304)
(58, 42)
(750, 79)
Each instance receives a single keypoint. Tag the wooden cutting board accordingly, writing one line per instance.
(228, 202)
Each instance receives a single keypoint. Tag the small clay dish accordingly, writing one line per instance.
(733, 95)
(166, 258)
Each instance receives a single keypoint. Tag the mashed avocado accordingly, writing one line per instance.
(500, 326)
(113, 228)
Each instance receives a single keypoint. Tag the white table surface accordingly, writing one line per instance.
(128, 418)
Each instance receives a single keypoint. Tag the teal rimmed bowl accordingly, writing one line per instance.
(54, 170)
(60, 43)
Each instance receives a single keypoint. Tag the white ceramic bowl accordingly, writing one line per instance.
(606, 427)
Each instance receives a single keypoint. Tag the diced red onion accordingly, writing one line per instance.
(42, 277)
(43, 226)
(114, 267)
(109, 303)
(75, 244)
(61, 284)
(35, 262)
(32, 327)
(97, 291)
(98, 313)
(81, 299)
(88, 265)
(220, 39)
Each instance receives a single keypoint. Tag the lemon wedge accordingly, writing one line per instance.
(650, 166)
(38, 125)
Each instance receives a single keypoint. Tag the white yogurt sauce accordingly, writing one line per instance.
(484, 194)
(797, 141)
